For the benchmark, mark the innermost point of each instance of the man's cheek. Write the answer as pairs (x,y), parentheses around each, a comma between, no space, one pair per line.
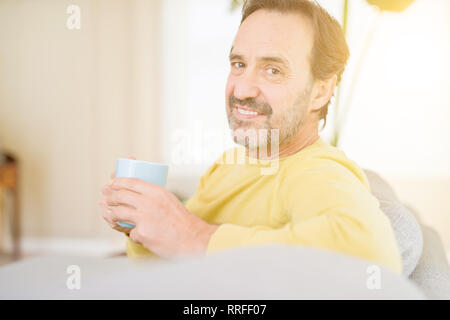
(229,89)
(228,110)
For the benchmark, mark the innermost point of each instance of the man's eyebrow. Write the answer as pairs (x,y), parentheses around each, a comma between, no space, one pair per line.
(234,56)
(275,59)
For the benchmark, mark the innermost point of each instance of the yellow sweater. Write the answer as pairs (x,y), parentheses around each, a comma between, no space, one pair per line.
(317,197)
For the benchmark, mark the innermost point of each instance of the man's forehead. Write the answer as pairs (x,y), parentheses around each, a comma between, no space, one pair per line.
(273,34)
(261,55)
(264,45)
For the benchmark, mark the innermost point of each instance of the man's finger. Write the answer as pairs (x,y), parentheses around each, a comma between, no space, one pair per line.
(136,185)
(134,236)
(107,215)
(125,214)
(123,197)
(106,190)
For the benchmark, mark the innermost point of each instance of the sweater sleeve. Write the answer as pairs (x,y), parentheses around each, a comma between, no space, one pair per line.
(136,251)
(326,209)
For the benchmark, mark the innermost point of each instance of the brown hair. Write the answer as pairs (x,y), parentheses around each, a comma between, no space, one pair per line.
(330,51)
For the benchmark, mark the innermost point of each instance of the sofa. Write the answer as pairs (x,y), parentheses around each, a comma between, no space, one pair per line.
(265,272)
(423,255)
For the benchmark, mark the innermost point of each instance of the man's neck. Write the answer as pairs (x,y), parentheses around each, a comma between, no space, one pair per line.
(306,136)
(295,144)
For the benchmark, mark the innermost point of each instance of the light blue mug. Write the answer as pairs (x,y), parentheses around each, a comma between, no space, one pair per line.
(148,171)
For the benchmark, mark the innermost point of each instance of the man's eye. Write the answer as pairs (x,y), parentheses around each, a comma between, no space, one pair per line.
(237,65)
(273,71)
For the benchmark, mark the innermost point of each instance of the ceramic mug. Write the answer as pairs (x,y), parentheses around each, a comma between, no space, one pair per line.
(155,173)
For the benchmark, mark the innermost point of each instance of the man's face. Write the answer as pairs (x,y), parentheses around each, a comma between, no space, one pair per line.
(270,74)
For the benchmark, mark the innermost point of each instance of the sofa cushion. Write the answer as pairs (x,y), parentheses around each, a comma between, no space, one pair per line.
(261,273)
(432,273)
(406,227)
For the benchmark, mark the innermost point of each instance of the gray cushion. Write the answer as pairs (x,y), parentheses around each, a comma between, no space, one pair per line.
(432,273)
(423,254)
(406,227)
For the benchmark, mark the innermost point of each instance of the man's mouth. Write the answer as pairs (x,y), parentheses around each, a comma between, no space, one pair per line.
(245,113)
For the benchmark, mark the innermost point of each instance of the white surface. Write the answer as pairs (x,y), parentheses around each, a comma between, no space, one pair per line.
(90,247)
(272,272)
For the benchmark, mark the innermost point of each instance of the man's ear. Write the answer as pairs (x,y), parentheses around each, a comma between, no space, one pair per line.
(322,92)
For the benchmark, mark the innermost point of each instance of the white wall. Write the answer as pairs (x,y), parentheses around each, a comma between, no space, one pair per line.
(72,101)
(398,123)
(401,101)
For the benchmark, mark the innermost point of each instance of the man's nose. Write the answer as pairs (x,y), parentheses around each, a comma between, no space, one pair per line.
(246,86)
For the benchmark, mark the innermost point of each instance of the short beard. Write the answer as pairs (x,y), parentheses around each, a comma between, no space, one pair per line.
(289,125)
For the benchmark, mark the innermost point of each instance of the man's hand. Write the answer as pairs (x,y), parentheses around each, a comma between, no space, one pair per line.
(163,225)
(104,207)
(110,219)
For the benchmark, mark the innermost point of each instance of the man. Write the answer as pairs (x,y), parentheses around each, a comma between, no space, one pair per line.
(286,60)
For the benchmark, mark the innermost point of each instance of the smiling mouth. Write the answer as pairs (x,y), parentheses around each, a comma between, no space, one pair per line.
(246,112)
